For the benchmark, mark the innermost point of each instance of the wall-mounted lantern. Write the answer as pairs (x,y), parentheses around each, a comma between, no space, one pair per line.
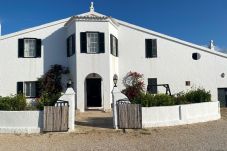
(69,83)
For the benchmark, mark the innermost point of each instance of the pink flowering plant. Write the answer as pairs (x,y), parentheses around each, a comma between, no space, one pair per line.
(134,85)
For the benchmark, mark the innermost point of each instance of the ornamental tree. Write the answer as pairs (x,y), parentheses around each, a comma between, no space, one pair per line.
(134,85)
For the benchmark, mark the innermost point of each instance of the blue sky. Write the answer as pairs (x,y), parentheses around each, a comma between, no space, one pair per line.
(196,21)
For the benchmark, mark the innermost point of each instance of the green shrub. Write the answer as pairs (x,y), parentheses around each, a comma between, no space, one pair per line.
(50,86)
(180,99)
(13,103)
(46,100)
(198,95)
(192,96)
(5,103)
(163,100)
(146,100)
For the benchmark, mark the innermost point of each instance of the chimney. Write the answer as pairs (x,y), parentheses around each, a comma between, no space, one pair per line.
(211,45)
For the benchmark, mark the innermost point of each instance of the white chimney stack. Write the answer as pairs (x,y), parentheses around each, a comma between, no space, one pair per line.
(211,45)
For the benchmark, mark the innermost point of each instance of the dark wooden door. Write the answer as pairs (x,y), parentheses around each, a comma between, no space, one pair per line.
(94,98)
(222,96)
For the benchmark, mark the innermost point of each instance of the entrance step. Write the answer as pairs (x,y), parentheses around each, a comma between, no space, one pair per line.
(94,119)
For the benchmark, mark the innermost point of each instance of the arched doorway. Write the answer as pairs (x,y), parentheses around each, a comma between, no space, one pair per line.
(93,90)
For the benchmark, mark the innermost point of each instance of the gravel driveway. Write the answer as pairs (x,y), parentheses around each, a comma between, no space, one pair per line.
(211,136)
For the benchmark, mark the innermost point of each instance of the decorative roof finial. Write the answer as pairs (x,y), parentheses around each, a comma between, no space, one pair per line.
(211,45)
(92,9)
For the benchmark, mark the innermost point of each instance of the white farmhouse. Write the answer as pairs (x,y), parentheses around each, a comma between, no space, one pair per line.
(95,47)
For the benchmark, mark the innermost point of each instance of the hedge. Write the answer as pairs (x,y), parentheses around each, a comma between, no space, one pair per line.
(192,96)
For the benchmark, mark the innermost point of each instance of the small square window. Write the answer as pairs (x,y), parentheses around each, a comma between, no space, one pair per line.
(187,83)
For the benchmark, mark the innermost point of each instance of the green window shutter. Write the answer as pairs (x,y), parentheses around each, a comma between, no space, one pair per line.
(101,43)
(154,48)
(38,47)
(19,87)
(111,44)
(73,44)
(37,89)
(20,48)
(148,47)
(83,42)
(151,48)
(67,43)
(152,85)
(117,47)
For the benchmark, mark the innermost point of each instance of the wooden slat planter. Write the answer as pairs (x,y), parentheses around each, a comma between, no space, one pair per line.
(129,116)
(55,118)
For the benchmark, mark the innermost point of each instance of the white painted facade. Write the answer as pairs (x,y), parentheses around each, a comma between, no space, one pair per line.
(174,64)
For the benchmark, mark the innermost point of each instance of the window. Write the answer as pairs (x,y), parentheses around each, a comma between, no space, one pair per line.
(114,45)
(187,83)
(151,48)
(29,48)
(30,89)
(92,42)
(196,56)
(71,45)
(152,86)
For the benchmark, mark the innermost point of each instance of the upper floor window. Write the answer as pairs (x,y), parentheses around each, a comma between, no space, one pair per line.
(151,48)
(92,42)
(71,45)
(114,45)
(29,48)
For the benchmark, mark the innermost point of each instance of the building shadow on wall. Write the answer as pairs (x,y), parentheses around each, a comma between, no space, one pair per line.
(54,49)
(55,52)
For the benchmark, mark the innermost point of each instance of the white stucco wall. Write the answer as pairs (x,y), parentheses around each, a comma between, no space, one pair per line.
(180,114)
(71,29)
(100,64)
(174,64)
(14,69)
(21,121)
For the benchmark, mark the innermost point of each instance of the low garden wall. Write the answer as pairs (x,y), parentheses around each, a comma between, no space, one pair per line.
(32,121)
(21,121)
(180,114)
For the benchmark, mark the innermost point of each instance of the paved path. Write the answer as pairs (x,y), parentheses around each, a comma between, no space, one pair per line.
(211,136)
